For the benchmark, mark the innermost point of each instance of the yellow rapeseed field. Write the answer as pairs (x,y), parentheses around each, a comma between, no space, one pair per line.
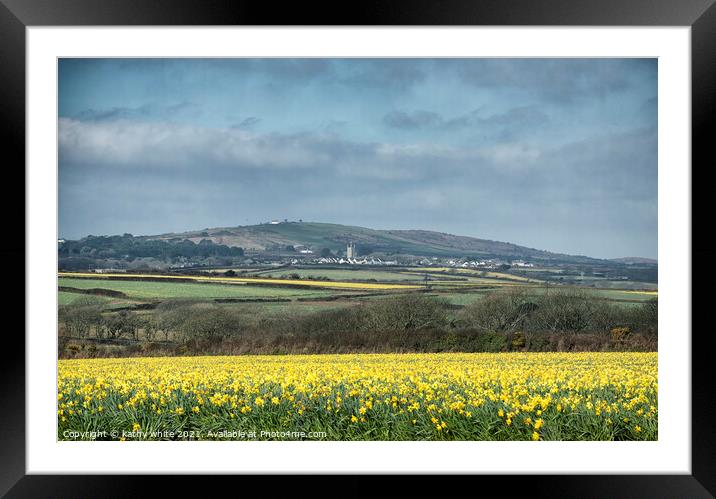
(483,396)
(251,280)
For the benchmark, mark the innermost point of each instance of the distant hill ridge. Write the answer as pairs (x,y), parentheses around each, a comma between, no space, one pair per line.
(317,236)
(635,260)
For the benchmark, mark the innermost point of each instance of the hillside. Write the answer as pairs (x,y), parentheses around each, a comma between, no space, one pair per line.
(267,237)
(635,260)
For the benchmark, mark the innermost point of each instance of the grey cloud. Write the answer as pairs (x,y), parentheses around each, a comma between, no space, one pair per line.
(607,165)
(619,165)
(606,171)
(509,123)
(333,127)
(649,109)
(247,123)
(144,112)
(512,120)
(300,69)
(558,80)
(287,68)
(384,74)
(132,145)
(413,120)
(518,116)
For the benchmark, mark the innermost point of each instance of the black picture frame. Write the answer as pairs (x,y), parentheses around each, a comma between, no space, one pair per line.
(700,15)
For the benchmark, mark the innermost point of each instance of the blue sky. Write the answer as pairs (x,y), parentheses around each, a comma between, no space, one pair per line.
(556,154)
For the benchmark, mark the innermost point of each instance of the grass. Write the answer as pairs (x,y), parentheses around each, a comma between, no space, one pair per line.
(476,282)
(628,285)
(66,298)
(144,290)
(107,302)
(619,294)
(241,288)
(250,280)
(477,273)
(294,308)
(612,295)
(609,294)
(462,298)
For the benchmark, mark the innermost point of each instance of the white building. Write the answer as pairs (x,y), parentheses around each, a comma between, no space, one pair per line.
(521,263)
(351,251)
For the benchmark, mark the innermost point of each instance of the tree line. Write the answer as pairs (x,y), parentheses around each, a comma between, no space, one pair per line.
(128,247)
(501,321)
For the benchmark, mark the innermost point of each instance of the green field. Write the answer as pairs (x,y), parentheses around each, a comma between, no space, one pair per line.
(153,290)
(462,298)
(106,302)
(631,285)
(619,294)
(609,294)
(294,308)
(450,297)
(66,298)
(143,290)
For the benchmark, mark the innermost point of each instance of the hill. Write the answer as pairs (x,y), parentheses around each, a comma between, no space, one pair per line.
(313,235)
(635,260)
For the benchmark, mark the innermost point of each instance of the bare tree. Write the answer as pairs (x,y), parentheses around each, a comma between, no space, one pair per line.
(501,311)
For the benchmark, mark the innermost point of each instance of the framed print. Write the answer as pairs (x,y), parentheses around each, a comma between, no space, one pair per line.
(425,242)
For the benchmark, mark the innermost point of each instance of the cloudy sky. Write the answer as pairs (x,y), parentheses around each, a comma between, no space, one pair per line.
(555,154)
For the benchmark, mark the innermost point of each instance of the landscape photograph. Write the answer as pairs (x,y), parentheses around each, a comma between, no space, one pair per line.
(340,249)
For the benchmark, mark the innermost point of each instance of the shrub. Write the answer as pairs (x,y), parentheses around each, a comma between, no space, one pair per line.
(411,312)
(556,311)
(646,317)
(619,334)
(504,311)
(518,340)
(72,349)
(210,323)
(511,319)
(338,320)
(565,310)
(491,342)
(537,343)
